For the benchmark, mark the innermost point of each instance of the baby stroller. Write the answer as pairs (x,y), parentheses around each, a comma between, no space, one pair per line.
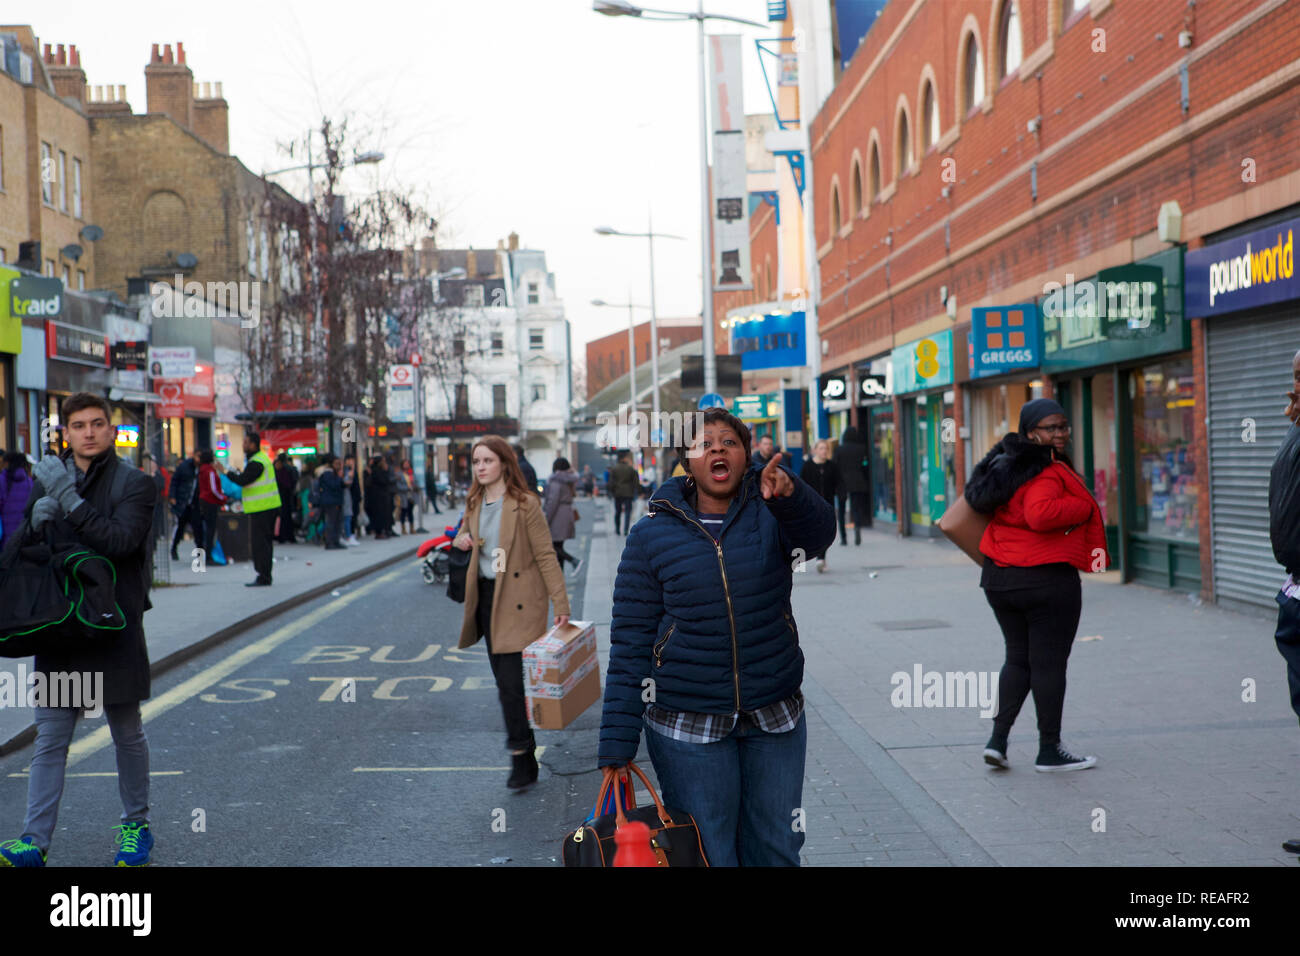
(434,552)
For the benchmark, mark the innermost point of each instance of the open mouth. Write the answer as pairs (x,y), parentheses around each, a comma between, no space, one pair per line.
(719,470)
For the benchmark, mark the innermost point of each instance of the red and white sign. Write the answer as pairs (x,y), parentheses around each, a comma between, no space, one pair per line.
(195,394)
(401,375)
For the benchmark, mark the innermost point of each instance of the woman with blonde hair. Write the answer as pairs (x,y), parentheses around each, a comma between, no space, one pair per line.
(512,575)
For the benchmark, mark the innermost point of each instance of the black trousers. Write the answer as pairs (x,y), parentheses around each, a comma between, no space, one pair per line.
(261,529)
(286,535)
(189,518)
(1288,643)
(508,670)
(333,525)
(622,506)
(561,555)
(1039,624)
(209,512)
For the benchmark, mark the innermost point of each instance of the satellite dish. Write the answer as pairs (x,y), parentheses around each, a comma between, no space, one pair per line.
(187,260)
(71,251)
(91,233)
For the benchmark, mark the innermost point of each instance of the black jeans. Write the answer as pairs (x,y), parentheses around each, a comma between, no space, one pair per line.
(1288,643)
(840,501)
(1039,624)
(622,506)
(286,535)
(261,531)
(508,669)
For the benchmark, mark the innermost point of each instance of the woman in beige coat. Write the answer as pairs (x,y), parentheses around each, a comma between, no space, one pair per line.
(512,575)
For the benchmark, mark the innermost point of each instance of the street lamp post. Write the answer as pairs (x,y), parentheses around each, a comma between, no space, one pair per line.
(649,235)
(622,8)
(631,343)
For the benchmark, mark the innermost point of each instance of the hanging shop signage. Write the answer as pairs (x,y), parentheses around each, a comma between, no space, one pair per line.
(11,325)
(1243,273)
(875,381)
(35,296)
(129,356)
(774,340)
(179,397)
(128,436)
(1130,312)
(1004,338)
(925,363)
(71,343)
(833,389)
(172,363)
(731,264)
(757,408)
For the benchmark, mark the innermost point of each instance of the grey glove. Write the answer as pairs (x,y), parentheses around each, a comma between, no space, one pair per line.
(45,509)
(59,481)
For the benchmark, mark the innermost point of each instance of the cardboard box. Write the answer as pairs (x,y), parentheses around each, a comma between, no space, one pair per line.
(561,675)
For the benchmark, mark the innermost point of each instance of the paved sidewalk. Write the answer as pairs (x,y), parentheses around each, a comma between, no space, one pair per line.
(1188,773)
(204,608)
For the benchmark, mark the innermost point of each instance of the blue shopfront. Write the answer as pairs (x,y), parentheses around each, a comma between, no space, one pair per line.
(923,382)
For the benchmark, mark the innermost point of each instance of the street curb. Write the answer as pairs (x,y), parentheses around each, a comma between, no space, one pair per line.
(176,658)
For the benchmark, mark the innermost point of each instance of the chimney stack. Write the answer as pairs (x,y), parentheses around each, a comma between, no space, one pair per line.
(514,242)
(169,85)
(63,64)
(212,117)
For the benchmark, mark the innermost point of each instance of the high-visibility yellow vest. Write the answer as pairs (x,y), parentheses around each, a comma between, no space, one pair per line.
(263,494)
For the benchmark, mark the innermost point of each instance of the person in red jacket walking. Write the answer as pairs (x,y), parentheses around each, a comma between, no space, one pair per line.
(1046,527)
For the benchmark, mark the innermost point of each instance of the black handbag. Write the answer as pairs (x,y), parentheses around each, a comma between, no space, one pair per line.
(674,837)
(457,569)
(59,596)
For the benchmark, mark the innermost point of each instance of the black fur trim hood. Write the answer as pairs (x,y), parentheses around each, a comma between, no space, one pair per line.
(1013,461)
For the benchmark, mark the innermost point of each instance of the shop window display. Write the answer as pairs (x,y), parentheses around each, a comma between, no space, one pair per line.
(1164,411)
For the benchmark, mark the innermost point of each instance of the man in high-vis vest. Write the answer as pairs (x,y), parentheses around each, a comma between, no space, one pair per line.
(261,499)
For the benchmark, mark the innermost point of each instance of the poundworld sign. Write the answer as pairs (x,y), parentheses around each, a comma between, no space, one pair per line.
(35,296)
(1252,270)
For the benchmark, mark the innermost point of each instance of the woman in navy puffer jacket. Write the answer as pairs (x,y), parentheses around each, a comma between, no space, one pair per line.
(702,610)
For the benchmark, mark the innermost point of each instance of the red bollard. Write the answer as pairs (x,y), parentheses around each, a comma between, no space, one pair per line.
(633,841)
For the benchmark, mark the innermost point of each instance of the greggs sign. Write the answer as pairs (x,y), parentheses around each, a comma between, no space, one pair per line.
(1242,273)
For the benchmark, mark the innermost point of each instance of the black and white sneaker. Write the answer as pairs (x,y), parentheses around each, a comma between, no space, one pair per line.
(577,568)
(996,758)
(1058,759)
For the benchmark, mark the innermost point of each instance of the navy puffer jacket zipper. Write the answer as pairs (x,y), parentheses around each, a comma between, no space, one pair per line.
(710,623)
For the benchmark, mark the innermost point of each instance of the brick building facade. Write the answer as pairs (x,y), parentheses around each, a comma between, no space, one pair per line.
(607,355)
(977,151)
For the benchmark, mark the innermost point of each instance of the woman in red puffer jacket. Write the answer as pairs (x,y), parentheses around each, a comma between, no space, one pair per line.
(1046,527)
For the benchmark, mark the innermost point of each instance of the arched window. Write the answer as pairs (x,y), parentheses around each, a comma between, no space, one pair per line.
(904,154)
(855,189)
(929,118)
(1010,51)
(836,221)
(973,85)
(874,173)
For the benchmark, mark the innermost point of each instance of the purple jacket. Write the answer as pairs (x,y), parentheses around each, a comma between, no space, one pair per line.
(14,492)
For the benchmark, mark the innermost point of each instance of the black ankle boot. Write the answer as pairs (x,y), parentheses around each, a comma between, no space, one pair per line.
(857,535)
(523,770)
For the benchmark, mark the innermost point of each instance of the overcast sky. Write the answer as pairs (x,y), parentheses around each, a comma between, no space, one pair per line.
(537,116)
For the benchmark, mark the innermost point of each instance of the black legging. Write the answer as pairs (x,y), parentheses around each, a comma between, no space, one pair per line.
(508,669)
(1039,624)
(209,510)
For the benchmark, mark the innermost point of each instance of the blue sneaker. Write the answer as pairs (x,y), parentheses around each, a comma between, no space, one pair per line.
(21,853)
(135,840)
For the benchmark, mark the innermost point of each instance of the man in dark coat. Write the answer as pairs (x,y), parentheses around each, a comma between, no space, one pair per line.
(851,461)
(286,479)
(1284,534)
(76,493)
(330,484)
(185,501)
(624,486)
(526,466)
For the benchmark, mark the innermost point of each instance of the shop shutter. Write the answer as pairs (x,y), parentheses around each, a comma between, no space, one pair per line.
(1249,362)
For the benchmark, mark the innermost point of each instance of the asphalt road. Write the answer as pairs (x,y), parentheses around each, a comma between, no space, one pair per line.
(262,754)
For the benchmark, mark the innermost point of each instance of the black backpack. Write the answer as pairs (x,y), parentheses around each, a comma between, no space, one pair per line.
(59,595)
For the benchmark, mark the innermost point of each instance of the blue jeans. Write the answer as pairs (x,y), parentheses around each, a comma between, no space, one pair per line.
(744,791)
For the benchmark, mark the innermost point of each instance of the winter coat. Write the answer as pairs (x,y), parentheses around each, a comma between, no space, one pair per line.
(15,489)
(758,461)
(531,578)
(1042,511)
(623,481)
(558,504)
(710,622)
(185,480)
(823,478)
(851,461)
(530,473)
(120,533)
(210,486)
(1283,503)
(330,487)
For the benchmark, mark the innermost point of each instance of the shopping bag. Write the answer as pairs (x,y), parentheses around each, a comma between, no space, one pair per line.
(964,527)
(218,556)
